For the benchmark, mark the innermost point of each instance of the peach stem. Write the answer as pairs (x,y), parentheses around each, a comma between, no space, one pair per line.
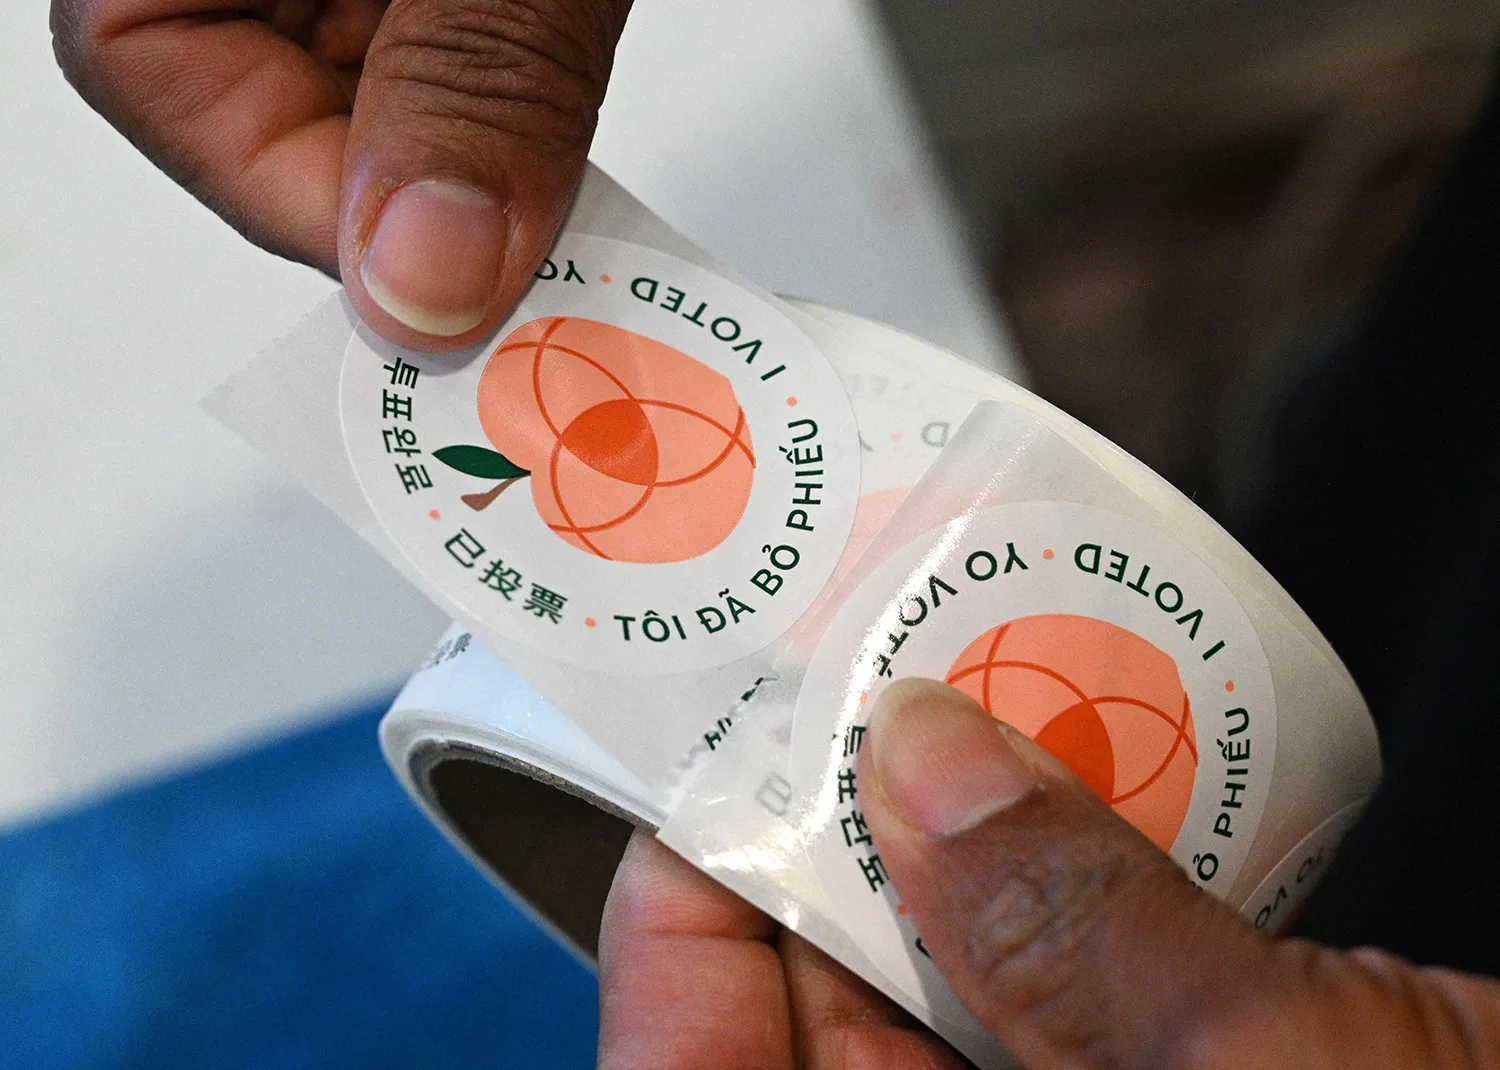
(479,502)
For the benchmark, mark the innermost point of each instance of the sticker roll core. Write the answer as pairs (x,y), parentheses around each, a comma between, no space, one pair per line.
(532,801)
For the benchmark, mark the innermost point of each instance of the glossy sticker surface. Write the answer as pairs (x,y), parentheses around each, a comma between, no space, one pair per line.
(1104,640)
(648,469)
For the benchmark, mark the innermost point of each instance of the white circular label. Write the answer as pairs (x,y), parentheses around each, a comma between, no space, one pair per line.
(646,469)
(1106,641)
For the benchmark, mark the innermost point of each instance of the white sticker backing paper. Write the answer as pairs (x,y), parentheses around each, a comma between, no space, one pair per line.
(690,531)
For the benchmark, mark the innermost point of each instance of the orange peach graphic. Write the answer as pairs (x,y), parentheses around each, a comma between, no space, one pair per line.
(636,451)
(1107,702)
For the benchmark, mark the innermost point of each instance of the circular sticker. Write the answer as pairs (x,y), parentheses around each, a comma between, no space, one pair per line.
(1107,642)
(647,469)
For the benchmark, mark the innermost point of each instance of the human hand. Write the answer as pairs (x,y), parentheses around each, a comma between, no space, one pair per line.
(691,975)
(424,150)
(1066,933)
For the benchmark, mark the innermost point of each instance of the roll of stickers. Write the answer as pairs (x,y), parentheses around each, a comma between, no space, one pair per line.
(689,531)
(1023,571)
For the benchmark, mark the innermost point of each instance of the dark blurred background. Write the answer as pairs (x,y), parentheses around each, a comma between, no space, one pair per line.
(1184,207)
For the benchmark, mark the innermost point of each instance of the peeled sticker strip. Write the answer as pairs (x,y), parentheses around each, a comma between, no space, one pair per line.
(1173,684)
(288,403)
(691,530)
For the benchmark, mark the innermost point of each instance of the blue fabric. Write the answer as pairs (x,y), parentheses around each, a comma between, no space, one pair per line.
(286,908)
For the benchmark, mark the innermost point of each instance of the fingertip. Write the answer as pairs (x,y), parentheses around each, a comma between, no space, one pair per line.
(941,763)
(462,158)
(656,892)
(425,269)
(685,969)
(1015,872)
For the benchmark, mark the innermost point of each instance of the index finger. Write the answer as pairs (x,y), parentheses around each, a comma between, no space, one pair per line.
(686,971)
(226,103)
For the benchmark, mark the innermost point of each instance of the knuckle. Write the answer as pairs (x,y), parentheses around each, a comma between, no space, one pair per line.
(1039,913)
(519,67)
(1048,909)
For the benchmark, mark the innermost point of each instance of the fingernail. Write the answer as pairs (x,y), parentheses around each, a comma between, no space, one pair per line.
(942,762)
(434,254)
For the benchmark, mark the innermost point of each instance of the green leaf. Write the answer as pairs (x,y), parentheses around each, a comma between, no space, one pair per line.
(479,462)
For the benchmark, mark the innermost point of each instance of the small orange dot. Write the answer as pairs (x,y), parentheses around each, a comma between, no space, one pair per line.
(863,695)
(792,401)
(1228,685)
(435,514)
(1048,555)
(605,278)
(901,909)
(590,622)
(895,436)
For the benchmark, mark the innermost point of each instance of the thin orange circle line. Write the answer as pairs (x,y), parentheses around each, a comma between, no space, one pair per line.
(536,374)
(606,525)
(573,527)
(984,684)
(559,347)
(1184,724)
(540,348)
(1126,700)
(731,434)
(557,496)
(970,670)
(543,342)
(1179,726)
(1162,768)
(1182,728)
(713,464)
(547,334)
(543,345)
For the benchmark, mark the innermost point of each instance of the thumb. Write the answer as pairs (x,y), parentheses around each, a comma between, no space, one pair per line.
(470,131)
(1062,929)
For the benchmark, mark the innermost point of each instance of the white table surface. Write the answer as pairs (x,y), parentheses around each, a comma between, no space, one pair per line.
(165,595)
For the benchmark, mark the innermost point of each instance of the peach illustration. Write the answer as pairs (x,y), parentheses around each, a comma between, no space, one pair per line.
(1107,702)
(636,451)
